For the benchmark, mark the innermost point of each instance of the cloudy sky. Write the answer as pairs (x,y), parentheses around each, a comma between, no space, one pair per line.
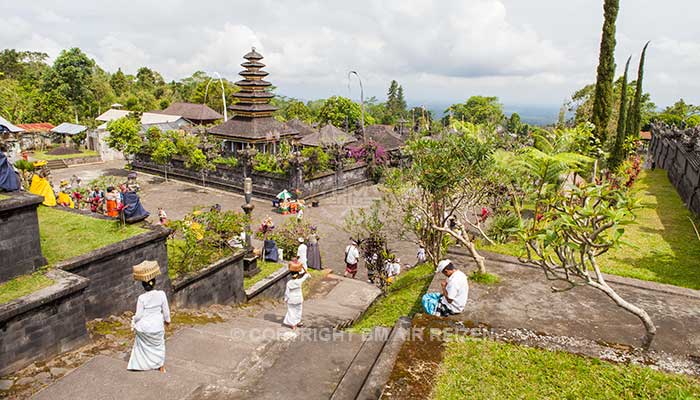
(527,52)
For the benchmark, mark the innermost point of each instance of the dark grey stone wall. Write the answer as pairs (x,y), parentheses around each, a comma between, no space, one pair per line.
(20,245)
(683,168)
(112,289)
(272,287)
(220,283)
(264,185)
(43,324)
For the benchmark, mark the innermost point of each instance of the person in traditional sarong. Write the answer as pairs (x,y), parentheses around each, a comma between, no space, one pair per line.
(393,269)
(111,198)
(41,187)
(63,198)
(313,252)
(352,258)
(271,252)
(133,210)
(9,181)
(152,314)
(294,298)
(301,252)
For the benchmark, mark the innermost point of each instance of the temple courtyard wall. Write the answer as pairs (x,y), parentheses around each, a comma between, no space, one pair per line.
(20,247)
(683,168)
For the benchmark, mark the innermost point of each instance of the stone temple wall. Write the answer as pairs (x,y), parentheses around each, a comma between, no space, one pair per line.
(20,247)
(678,152)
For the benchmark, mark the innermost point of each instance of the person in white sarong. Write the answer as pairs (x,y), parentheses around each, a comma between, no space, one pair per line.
(152,314)
(294,298)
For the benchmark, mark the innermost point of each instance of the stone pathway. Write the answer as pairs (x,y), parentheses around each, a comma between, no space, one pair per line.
(244,357)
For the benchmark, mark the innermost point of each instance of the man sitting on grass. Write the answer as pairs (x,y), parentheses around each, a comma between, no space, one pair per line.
(455,290)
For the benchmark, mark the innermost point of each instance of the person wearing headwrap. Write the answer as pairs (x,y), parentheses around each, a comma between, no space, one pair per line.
(294,298)
(454,294)
(152,314)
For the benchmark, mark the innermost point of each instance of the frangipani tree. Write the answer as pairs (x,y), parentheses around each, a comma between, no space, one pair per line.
(575,227)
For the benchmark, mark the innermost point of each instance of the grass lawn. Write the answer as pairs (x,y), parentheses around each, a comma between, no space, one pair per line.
(484,369)
(662,245)
(266,268)
(177,267)
(3,197)
(41,155)
(23,285)
(65,235)
(402,299)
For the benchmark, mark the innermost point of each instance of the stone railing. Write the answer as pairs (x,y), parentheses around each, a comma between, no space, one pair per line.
(678,152)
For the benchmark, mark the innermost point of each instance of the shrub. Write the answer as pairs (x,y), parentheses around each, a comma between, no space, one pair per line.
(287,235)
(318,160)
(201,238)
(504,227)
(264,162)
(230,162)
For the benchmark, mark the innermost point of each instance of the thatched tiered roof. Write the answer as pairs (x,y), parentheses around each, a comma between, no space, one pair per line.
(329,135)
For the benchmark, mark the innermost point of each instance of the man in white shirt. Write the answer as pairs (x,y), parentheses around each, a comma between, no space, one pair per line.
(455,290)
(352,256)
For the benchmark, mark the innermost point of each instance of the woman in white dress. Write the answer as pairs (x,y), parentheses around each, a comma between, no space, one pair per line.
(294,298)
(152,314)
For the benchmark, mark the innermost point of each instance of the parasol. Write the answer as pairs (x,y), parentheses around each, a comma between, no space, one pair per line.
(284,195)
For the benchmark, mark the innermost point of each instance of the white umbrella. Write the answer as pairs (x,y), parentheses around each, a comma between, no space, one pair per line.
(284,195)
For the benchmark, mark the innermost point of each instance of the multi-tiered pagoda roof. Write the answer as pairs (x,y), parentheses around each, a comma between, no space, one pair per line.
(252,121)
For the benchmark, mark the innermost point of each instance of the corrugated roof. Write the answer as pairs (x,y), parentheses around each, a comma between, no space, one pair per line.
(191,111)
(645,135)
(328,135)
(69,129)
(37,127)
(146,118)
(9,126)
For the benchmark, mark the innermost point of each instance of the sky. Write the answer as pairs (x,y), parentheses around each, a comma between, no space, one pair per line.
(527,52)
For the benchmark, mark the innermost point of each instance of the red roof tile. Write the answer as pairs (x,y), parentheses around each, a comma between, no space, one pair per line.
(37,127)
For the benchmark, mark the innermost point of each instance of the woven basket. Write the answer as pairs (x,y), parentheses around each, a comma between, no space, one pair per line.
(146,271)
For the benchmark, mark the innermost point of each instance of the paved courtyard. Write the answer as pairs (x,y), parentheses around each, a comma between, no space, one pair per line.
(179,198)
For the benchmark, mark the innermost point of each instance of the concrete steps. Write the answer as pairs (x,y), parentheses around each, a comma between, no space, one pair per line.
(56,164)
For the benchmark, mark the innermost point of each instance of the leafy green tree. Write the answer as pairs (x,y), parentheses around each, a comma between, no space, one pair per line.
(603,99)
(340,112)
(296,109)
(317,160)
(71,75)
(516,126)
(678,114)
(477,110)
(448,181)
(119,82)
(124,135)
(635,115)
(163,149)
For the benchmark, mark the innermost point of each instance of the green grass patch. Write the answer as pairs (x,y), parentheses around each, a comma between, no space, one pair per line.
(484,369)
(42,155)
(3,197)
(485,278)
(266,268)
(23,285)
(65,234)
(403,298)
(660,246)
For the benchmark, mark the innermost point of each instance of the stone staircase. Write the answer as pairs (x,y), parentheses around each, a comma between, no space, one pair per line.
(56,164)
(251,357)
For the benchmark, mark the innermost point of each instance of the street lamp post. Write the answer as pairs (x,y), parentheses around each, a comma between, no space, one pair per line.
(250,264)
(362,102)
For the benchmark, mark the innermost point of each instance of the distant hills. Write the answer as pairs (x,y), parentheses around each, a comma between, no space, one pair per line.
(530,114)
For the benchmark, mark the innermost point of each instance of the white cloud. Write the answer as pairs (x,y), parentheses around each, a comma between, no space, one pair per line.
(537,51)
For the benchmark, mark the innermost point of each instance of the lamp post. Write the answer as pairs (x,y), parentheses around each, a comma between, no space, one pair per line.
(248,209)
(362,102)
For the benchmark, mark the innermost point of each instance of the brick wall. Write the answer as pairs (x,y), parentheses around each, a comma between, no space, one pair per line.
(44,323)
(20,246)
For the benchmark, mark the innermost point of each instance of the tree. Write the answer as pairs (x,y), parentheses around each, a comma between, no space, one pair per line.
(635,116)
(124,135)
(71,75)
(119,82)
(575,228)
(679,114)
(296,109)
(603,99)
(448,183)
(477,110)
(340,112)
(515,125)
(618,152)
(163,149)
(368,228)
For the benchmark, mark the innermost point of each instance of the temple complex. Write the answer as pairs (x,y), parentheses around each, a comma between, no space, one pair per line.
(252,123)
